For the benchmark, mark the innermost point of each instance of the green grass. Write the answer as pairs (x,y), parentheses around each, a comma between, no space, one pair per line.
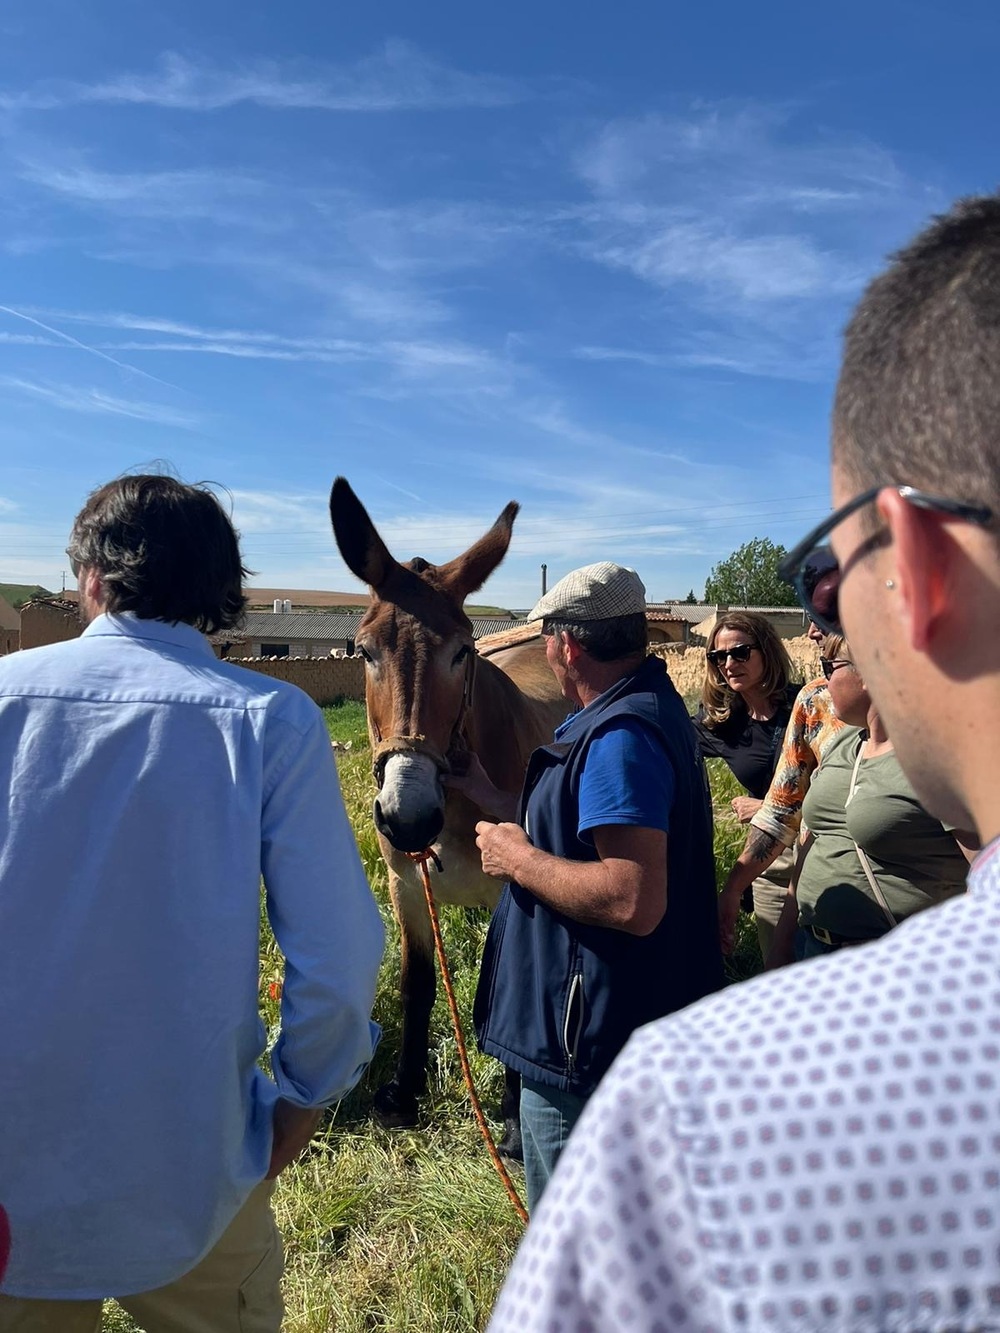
(346,722)
(410,1231)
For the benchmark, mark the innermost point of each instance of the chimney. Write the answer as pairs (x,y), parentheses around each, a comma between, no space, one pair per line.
(277,606)
(545,570)
(286,605)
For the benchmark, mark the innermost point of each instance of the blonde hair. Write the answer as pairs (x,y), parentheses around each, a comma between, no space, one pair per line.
(837,649)
(717,699)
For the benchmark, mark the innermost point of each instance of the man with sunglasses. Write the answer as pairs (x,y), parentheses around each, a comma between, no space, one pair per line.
(817,1149)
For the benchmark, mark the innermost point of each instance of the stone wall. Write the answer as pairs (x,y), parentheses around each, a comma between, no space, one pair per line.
(48,622)
(323,678)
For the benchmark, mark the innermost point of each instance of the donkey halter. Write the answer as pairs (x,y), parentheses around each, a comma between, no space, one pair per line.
(390,745)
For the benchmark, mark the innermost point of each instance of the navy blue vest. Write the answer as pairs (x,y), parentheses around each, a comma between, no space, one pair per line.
(557,1000)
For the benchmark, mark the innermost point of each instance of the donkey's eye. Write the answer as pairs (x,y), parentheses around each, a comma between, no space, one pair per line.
(461,655)
(363,652)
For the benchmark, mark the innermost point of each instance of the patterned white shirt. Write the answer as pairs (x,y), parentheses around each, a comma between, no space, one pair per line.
(817,1149)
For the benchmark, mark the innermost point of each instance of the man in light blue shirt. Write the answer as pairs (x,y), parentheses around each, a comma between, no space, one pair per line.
(145,789)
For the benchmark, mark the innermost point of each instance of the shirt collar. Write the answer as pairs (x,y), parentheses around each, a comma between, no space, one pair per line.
(127,625)
(985,869)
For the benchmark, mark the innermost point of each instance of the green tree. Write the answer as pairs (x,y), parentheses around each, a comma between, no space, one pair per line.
(690,599)
(749,577)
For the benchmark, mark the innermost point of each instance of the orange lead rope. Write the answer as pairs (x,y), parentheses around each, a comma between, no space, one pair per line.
(421,858)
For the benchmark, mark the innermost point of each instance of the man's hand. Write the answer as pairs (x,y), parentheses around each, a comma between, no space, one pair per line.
(294,1126)
(745,807)
(502,846)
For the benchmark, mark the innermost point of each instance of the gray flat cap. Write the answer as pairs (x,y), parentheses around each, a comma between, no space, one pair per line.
(595,592)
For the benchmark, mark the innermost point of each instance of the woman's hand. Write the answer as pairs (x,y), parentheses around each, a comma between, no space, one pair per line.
(745,807)
(729,910)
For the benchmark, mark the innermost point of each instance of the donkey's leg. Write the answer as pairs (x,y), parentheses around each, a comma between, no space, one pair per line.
(510,1109)
(396,1101)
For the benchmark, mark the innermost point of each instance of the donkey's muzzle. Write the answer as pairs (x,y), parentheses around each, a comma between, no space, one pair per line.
(414,834)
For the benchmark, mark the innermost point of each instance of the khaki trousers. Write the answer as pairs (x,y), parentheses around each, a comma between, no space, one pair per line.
(236,1288)
(769,893)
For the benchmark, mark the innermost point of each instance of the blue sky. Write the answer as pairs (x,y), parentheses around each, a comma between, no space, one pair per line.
(592,258)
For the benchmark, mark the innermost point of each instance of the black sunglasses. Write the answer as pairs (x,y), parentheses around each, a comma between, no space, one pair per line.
(828,665)
(741,653)
(814,571)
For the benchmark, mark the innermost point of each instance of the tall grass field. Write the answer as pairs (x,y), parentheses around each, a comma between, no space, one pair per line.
(398,1230)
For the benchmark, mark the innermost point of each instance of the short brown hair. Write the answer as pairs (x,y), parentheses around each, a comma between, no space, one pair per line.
(717,699)
(918,398)
(163,550)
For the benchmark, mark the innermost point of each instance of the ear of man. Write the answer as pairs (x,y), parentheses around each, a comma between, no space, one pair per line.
(572,650)
(923,561)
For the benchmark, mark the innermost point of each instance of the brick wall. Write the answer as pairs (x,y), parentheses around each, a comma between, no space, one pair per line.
(323,678)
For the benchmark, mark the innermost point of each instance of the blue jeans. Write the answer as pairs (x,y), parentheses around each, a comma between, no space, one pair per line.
(547,1118)
(808,946)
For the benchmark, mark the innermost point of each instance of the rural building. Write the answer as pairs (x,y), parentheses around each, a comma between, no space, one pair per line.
(49,620)
(789,621)
(319,633)
(10,628)
(665,626)
(298,633)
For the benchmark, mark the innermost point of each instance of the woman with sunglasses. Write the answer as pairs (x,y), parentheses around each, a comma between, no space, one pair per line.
(746,701)
(870,855)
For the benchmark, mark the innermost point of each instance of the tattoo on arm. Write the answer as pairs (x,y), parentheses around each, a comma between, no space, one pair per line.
(760,846)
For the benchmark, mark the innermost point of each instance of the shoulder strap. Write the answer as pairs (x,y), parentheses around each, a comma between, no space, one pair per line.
(865,863)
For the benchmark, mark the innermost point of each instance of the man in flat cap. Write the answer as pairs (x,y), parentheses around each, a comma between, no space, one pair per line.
(608,916)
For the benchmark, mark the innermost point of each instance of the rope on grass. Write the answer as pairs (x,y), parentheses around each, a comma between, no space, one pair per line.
(422,859)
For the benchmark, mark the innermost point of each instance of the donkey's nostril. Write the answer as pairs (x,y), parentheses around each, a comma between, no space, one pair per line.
(409,835)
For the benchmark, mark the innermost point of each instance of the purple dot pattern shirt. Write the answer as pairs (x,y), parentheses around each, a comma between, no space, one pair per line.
(817,1149)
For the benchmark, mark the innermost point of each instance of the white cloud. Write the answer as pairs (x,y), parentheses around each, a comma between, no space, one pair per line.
(399,77)
(222,197)
(95,401)
(731,202)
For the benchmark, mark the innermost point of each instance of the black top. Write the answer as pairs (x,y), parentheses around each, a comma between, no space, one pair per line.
(750,748)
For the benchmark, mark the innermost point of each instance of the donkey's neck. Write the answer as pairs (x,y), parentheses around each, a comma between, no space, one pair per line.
(505,725)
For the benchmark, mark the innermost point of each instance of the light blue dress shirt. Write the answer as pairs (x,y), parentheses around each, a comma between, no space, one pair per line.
(145,788)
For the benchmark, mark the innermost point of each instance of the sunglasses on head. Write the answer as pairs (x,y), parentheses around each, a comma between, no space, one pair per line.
(814,571)
(741,653)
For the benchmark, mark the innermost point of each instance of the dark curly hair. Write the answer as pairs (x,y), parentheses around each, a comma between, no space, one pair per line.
(163,550)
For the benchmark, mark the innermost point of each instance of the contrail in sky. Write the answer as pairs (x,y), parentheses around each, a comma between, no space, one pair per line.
(75,342)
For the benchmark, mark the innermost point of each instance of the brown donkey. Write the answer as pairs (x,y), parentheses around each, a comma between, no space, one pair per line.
(431,699)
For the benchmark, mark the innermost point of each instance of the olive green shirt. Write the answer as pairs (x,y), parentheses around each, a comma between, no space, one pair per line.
(914,859)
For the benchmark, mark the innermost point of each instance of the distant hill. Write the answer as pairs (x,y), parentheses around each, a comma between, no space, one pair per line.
(16,594)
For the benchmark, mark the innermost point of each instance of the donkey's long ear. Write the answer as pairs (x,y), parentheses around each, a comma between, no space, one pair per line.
(364,551)
(470,571)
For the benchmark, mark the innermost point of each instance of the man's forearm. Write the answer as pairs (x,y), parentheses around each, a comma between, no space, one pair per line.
(582,890)
(623,888)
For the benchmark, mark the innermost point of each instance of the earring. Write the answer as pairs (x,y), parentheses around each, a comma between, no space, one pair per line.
(889,583)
